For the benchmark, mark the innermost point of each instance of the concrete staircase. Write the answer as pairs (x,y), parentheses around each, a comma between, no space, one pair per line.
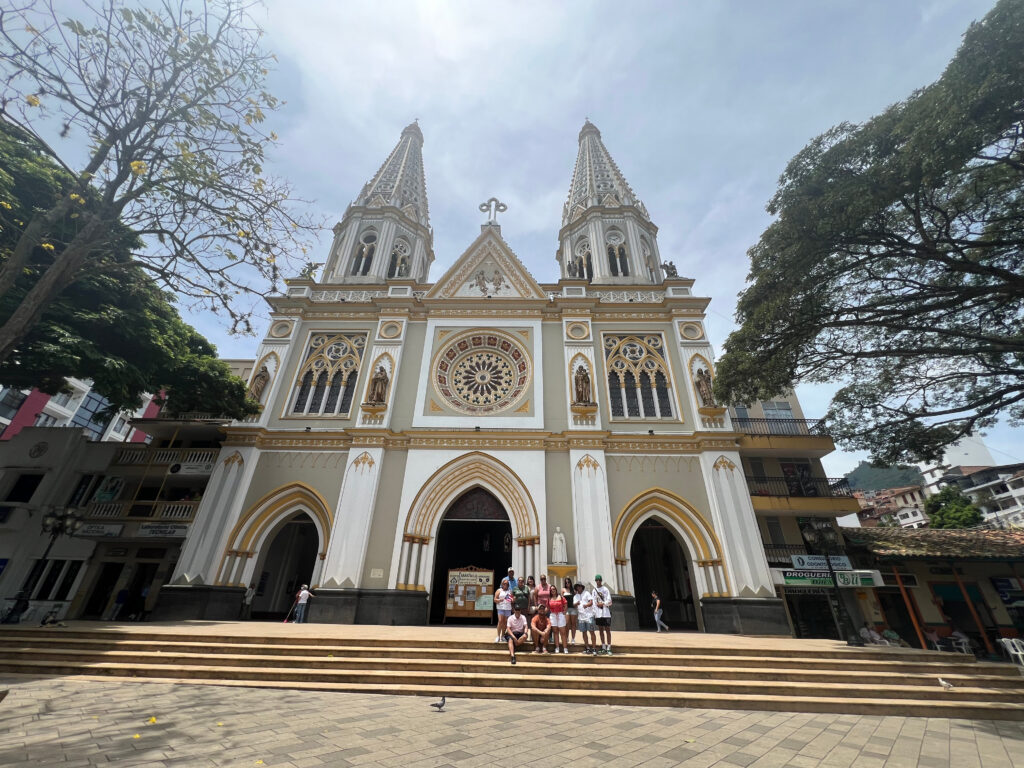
(858,681)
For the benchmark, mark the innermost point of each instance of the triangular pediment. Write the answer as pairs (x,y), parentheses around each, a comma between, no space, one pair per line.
(487,268)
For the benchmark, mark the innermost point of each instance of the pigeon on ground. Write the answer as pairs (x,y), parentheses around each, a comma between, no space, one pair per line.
(439,705)
(946,684)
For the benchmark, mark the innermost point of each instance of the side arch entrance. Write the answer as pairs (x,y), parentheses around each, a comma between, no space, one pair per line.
(662,542)
(278,544)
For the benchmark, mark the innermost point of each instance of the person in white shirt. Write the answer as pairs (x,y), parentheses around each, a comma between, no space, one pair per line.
(301,603)
(603,615)
(584,602)
(515,631)
(250,593)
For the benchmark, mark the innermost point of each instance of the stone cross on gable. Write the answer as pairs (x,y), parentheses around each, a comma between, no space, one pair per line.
(492,208)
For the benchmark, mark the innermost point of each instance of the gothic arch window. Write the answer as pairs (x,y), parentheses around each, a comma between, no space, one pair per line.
(618,263)
(399,265)
(582,263)
(363,258)
(638,377)
(326,382)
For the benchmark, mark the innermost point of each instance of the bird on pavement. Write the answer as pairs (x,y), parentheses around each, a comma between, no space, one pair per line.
(946,684)
(439,705)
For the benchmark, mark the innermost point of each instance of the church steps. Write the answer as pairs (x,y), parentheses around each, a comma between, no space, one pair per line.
(506,677)
(934,706)
(905,662)
(562,666)
(162,638)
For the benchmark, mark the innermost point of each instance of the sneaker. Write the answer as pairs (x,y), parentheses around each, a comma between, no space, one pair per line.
(513,659)
(497,639)
(565,650)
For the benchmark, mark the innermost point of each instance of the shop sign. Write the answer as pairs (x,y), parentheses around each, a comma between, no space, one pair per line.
(818,562)
(192,468)
(824,578)
(100,530)
(162,530)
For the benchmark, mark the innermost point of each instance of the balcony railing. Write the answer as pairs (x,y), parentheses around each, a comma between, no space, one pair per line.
(781,426)
(151,510)
(798,486)
(779,555)
(143,455)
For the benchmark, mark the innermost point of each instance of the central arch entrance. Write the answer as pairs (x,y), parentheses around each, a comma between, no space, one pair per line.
(287,560)
(475,531)
(660,563)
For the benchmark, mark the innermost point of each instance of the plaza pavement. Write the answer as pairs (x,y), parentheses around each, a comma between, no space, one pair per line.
(73,721)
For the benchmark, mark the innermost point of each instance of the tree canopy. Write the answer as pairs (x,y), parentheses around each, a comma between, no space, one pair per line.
(894,264)
(950,508)
(157,116)
(114,327)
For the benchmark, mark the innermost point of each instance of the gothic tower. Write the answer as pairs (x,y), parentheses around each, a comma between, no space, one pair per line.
(385,233)
(607,238)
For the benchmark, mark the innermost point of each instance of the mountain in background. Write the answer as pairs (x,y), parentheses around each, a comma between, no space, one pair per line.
(868,478)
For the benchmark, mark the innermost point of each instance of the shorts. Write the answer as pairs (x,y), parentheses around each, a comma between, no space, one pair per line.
(585,625)
(603,621)
(572,612)
(557,619)
(504,611)
(513,635)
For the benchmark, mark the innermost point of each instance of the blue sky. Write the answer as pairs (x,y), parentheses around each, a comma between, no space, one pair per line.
(700,103)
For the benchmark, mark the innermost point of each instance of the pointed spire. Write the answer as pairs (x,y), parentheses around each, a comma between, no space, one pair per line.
(400,182)
(596,179)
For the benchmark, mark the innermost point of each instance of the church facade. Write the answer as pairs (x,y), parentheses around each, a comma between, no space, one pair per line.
(411,427)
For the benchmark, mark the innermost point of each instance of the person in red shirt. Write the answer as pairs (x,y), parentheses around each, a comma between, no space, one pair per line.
(557,606)
(541,627)
(543,593)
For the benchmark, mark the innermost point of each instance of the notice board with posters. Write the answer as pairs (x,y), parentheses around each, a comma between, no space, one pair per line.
(470,593)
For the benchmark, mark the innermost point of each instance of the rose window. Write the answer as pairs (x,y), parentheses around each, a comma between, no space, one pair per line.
(482,373)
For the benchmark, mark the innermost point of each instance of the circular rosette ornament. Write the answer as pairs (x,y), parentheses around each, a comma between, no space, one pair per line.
(482,372)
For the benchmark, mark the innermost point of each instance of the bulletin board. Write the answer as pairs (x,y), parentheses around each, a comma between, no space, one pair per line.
(470,593)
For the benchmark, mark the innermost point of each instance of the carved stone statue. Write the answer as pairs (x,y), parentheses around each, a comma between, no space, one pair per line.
(670,269)
(581,387)
(308,272)
(575,266)
(259,383)
(559,554)
(379,387)
(703,381)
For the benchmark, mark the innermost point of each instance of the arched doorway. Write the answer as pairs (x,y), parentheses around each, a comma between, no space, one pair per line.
(660,562)
(286,561)
(475,531)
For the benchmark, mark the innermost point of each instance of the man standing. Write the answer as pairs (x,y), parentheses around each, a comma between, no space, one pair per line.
(521,596)
(603,615)
(301,602)
(250,593)
(584,602)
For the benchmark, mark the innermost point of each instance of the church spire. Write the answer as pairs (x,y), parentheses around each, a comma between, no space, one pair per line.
(385,233)
(607,236)
(400,181)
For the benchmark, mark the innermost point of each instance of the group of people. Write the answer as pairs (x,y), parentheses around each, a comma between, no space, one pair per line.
(547,615)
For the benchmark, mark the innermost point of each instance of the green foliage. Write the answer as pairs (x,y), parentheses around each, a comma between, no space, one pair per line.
(895,263)
(112,325)
(950,508)
(167,104)
(866,477)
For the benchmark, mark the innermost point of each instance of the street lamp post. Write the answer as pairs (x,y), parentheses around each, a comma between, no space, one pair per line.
(56,523)
(826,540)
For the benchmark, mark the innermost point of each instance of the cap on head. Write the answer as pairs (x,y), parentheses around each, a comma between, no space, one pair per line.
(305,586)
(598,578)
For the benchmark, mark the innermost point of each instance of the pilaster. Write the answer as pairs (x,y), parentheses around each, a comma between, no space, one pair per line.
(592,521)
(346,553)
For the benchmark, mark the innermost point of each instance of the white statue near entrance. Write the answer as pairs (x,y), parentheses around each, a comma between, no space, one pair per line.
(559,555)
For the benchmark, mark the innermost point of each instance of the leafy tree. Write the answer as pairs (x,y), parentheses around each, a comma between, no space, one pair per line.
(112,325)
(169,100)
(865,477)
(949,508)
(894,263)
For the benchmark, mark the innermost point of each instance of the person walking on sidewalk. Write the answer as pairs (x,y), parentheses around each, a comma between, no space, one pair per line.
(656,607)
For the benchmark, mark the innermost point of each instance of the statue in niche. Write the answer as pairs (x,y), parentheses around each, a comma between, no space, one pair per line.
(575,267)
(670,269)
(703,381)
(559,554)
(379,387)
(259,383)
(581,386)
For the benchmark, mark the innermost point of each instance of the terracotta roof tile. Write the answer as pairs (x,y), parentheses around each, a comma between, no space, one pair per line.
(925,543)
